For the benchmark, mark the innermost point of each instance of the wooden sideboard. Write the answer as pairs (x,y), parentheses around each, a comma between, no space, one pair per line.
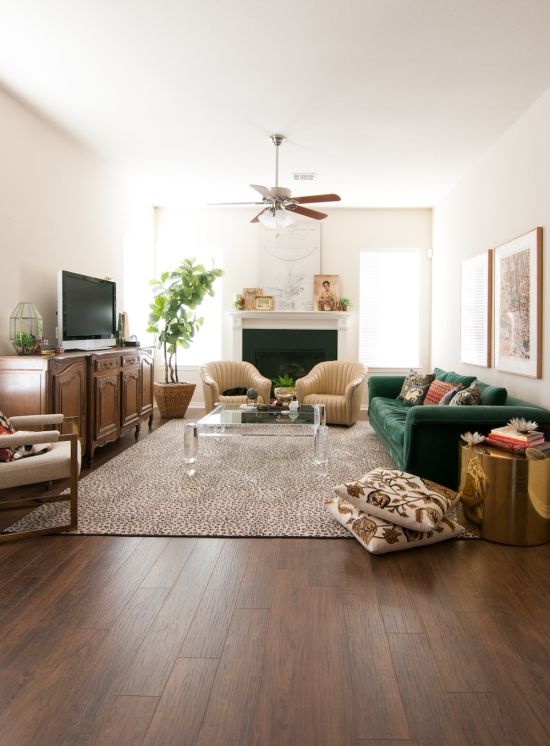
(108,391)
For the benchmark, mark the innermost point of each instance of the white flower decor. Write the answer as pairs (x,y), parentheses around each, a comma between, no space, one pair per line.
(472,439)
(521,425)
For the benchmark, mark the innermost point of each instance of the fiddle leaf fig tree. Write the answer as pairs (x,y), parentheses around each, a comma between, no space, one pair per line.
(173,315)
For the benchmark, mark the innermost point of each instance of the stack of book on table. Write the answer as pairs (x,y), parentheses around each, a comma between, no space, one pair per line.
(509,439)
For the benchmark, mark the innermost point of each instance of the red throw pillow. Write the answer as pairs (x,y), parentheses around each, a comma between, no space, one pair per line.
(437,391)
(6,429)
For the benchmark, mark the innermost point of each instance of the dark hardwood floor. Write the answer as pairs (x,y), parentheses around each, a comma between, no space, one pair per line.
(110,640)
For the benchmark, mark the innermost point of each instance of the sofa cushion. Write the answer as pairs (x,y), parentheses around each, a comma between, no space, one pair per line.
(415,395)
(414,379)
(446,398)
(453,377)
(440,374)
(437,390)
(399,498)
(379,536)
(466,397)
(390,416)
(492,395)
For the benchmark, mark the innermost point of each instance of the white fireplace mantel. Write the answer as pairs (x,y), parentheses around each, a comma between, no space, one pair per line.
(335,320)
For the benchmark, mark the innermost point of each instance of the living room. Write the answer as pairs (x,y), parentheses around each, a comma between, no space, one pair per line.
(443,149)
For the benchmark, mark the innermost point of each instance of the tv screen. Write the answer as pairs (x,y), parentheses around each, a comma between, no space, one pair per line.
(86,308)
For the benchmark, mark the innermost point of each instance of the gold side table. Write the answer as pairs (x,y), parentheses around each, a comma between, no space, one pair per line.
(506,495)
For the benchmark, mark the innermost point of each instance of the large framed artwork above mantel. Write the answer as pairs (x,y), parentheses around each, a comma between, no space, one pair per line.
(518,305)
(288,259)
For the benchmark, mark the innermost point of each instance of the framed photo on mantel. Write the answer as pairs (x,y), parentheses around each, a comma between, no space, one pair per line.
(518,305)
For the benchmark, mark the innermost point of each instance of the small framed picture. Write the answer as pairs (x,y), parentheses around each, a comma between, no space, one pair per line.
(263,303)
(250,295)
(325,290)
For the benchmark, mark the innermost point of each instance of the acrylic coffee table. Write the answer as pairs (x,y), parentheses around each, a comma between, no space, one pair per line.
(231,420)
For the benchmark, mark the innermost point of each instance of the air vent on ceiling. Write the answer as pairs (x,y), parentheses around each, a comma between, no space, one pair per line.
(304,177)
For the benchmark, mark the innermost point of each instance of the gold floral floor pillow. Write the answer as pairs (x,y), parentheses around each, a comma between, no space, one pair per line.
(398,497)
(379,536)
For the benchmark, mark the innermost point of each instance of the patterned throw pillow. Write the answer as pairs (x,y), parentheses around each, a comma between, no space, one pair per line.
(379,536)
(446,398)
(6,428)
(415,395)
(466,397)
(12,454)
(414,379)
(400,498)
(437,390)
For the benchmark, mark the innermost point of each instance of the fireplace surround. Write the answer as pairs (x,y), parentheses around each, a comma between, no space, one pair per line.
(290,342)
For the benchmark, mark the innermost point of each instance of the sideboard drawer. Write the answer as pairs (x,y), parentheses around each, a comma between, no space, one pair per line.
(130,360)
(107,363)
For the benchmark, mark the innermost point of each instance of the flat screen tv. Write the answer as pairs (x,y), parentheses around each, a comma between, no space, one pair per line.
(86,311)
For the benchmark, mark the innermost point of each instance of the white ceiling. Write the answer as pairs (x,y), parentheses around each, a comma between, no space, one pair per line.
(388,101)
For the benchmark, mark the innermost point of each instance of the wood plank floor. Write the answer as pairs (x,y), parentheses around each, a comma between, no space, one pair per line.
(112,640)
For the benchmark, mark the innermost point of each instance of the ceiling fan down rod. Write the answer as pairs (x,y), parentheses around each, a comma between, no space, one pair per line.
(277,140)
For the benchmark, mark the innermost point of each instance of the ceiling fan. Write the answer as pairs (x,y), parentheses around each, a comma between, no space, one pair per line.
(277,201)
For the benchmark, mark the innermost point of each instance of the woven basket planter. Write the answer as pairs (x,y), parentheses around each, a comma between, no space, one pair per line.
(173,398)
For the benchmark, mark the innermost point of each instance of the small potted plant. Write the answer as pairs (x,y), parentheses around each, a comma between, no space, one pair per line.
(283,388)
(345,303)
(239,304)
(26,344)
(173,319)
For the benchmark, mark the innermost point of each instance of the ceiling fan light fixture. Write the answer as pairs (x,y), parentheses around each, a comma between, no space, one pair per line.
(276,218)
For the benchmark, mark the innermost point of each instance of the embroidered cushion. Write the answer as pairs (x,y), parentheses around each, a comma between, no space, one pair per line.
(437,390)
(6,428)
(414,379)
(466,397)
(399,498)
(446,398)
(415,395)
(379,536)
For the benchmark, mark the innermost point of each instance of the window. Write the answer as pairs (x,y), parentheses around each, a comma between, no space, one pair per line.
(389,308)
(176,229)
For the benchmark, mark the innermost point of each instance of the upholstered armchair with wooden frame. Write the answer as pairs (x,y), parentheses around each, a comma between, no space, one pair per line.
(220,375)
(336,384)
(30,482)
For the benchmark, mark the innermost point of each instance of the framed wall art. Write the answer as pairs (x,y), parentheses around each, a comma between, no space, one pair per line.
(250,295)
(518,305)
(287,260)
(476,302)
(264,303)
(325,291)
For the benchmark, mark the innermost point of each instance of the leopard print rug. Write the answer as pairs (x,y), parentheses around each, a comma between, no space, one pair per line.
(243,486)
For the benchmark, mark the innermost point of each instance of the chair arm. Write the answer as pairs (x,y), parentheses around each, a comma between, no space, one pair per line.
(307,385)
(23,438)
(352,385)
(35,420)
(263,384)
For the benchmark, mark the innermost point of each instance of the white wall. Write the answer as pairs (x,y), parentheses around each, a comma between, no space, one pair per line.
(227,233)
(505,195)
(59,209)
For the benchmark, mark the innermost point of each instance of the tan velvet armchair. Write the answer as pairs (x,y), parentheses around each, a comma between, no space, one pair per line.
(44,476)
(220,375)
(337,385)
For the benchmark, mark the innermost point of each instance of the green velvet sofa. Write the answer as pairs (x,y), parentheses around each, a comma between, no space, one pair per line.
(425,440)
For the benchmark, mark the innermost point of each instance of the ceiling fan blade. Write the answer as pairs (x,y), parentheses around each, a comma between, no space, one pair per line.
(317,198)
(255,219)
(307,212)
(234,203)
(264,191)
